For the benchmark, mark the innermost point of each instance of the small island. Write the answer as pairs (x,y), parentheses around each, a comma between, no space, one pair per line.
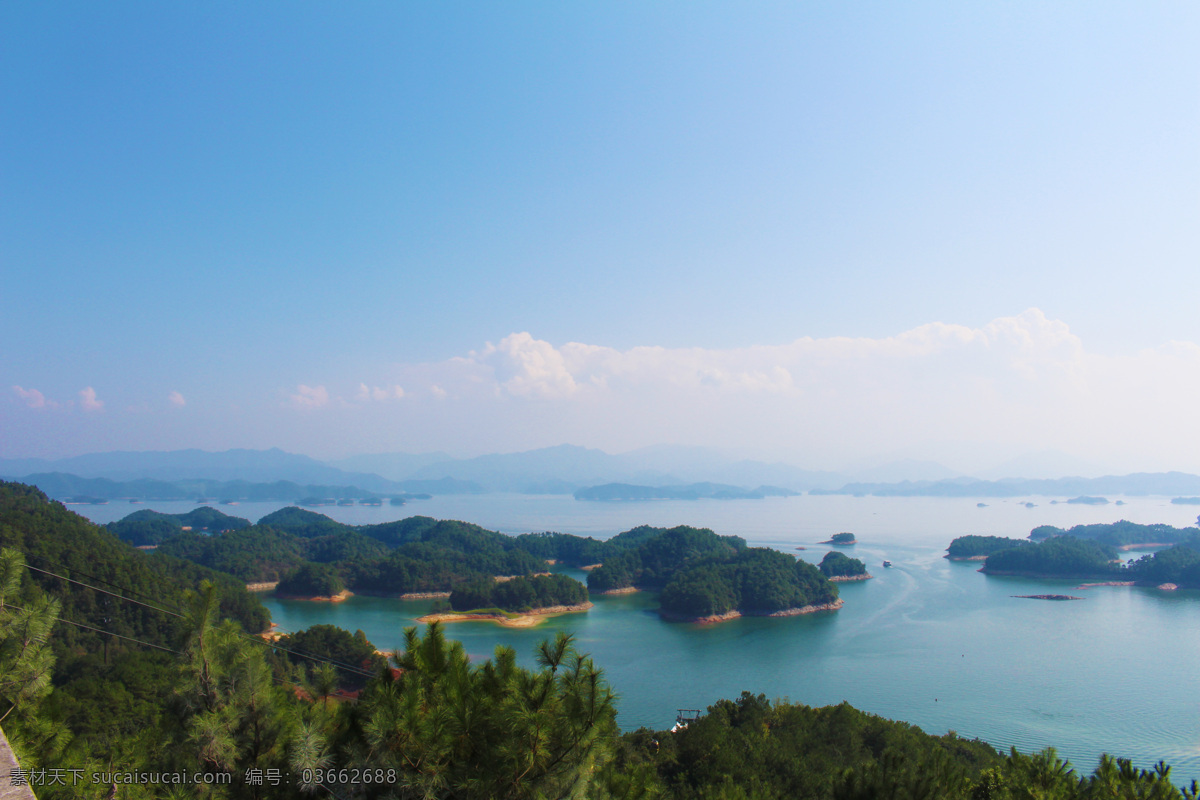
(518,602)
(319,582)
(1089,501)
(838,567)
(703,577)
(1047,597)
(977,548)
(841,539)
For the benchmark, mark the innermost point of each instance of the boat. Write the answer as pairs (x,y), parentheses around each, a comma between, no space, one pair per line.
(887,563)
(685,716)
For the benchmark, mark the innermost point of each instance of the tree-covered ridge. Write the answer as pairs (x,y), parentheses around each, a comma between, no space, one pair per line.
(147,527)
(975,546)
(261,554)
(839,565)
(649,557)
(1119,534)
(56,540)
(1063,556)
(753,748)
(563,548)
(519,594)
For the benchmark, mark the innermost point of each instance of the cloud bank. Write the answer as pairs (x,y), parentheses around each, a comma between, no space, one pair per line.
(1019,383)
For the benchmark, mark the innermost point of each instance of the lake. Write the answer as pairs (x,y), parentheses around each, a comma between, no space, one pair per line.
(929,641)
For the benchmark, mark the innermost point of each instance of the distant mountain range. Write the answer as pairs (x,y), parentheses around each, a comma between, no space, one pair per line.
(566,469)
(694,491)
(1141,483)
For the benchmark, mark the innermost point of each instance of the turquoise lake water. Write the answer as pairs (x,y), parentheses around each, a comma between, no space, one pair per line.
(929,641)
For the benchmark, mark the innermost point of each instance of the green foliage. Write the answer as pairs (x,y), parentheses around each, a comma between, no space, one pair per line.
(842,538)
(351,652)
(26,658)
(755,580)
(1179,565)
(312,580)
(301,522)
(784,750)
(1118,534)
(574,551)
(493,730)
(649,557)
(59,541)
(971,546)
(839,565)
(519,594)
(1061,555)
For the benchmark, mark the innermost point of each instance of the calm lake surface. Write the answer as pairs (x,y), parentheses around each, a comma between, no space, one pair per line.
(929,641)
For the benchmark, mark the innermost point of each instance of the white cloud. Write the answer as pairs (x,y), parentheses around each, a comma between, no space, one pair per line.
(1024,381)
(528,367)
(310,397)
(32,397)
(87,399)
(176,399)
(378,394)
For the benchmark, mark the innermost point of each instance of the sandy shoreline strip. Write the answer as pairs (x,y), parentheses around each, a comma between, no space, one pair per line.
(345,594)
(527,620)
(728,615)
(847,578)
(622,590)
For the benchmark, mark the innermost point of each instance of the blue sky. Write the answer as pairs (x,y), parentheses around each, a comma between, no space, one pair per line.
(232,201)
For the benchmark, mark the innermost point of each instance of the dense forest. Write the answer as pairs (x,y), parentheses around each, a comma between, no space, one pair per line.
(754,580)
(976,546)
(1063,556)
(521,594)
(311,580)
(839,565)
(647,558)
(320,713)
(1120,534)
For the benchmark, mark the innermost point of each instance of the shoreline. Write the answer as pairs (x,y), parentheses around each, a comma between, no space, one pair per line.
(343,595)
(964,558)
(521,620)
(728,615)
(866,576)
(622,590)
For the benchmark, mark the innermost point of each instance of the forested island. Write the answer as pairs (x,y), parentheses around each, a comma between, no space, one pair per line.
(693,491)
(1057,554)
(977,548)
(188,690)
(841,539)
(518,602)
(840,567)
(1124,535)
(703,577)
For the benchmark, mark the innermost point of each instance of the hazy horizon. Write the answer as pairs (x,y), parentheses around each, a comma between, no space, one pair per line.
(824,236)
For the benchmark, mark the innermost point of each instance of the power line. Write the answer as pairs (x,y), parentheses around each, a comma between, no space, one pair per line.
(299,653)
(110,633)
(106,582)
(103,591)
